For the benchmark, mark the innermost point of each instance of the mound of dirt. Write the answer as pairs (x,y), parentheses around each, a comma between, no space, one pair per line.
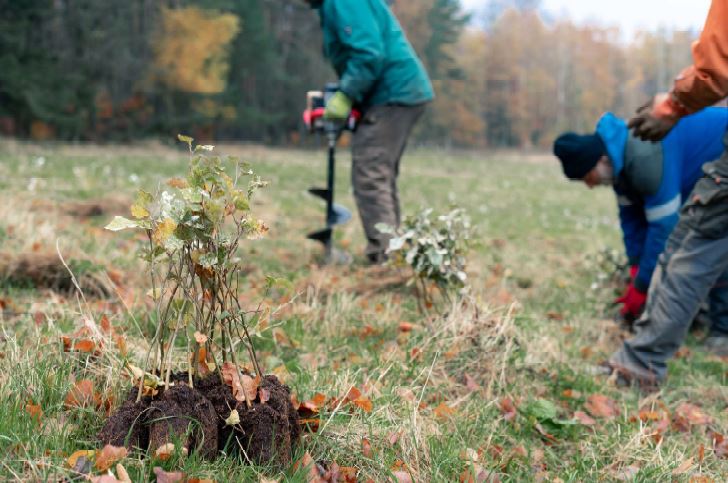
(46,271)
(195,417)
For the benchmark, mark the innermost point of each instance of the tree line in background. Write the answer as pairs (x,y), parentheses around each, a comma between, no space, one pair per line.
(239,69)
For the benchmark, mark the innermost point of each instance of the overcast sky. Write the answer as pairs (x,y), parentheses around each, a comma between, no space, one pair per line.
(628,14)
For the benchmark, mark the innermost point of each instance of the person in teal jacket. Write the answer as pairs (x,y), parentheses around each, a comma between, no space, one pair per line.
(651,183)
(381,76)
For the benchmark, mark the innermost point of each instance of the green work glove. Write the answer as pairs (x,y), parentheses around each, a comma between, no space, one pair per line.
(338,107)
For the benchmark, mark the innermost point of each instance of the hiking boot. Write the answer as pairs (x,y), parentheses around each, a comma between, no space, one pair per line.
(624,377)
(716,345)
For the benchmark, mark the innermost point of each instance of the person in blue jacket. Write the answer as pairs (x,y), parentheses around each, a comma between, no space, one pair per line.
(380,75)
(651,182)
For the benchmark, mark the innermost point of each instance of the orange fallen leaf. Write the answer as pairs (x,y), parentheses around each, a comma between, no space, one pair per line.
(507,408)
(35,411)
(311,424)
(366,448)
(319,399)
(571,394)
(108,456)
(443,411)
(363,403)
(84,345)
(600,406)
(76,457)
(105,325)
(352,394)
(406,326)
(81,394)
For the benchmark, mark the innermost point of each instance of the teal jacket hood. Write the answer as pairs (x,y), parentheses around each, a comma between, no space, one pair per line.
(613,133)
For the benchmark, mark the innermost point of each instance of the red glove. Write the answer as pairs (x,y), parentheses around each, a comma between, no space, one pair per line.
(633,269)
(633,300)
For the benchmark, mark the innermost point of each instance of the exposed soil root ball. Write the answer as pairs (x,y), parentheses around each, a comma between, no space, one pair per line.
(128,425)
(46,271)
(196,419)
(183,416)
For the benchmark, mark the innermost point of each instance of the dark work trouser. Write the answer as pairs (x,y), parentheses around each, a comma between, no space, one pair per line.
(696,257)
(377,148)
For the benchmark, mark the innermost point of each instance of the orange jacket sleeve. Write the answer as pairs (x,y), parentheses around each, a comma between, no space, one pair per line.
(706,81)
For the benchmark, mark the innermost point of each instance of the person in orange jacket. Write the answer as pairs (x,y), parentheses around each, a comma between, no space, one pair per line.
(697,251)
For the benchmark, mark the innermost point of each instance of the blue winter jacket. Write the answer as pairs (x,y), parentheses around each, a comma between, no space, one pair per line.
(374,60)
(653,180)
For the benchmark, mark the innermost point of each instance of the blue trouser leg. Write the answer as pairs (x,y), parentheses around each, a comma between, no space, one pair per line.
(696,257)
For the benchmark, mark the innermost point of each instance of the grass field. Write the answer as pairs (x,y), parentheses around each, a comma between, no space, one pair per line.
(499,389)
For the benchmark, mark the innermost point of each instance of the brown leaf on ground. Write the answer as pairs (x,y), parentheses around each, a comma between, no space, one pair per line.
(687,415)
(571,394)
(366,448)
(108,456)
(105,325)
(311,468)
(443,411)
(250,386)
(34,410)
(684,467)
(720,445)
(584,418)
(168,477)
(406,326)
(402,477)
(310,424)
(263,395)
(311,407)
(81,394)
(470,383)
(347,474)
(600,406)
(508,409)
(394,437)
(352,393)
(477,474)
(364,404)
(231,376)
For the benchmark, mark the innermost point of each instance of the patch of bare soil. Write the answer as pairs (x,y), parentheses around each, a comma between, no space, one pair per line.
(195,418)
(106,207)
(46,271)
